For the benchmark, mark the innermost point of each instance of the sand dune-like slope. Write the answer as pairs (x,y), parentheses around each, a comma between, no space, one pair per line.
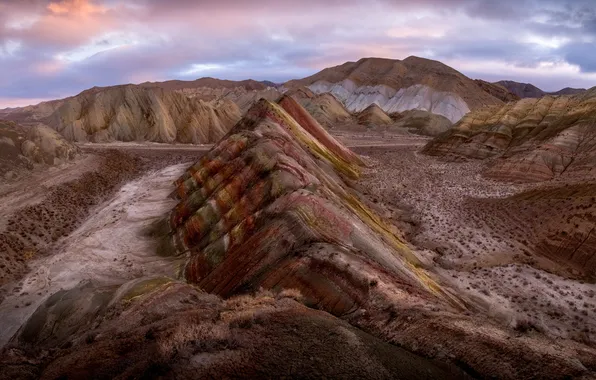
(535,139)
(24,147)
(397,86)
(132,113)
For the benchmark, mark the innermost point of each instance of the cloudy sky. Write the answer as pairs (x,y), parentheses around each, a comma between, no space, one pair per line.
(51,49)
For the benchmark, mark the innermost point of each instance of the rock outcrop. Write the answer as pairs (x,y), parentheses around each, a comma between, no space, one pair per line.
(24,147)
(133,113)
(373,115)
(397,86)
(535,139)
(325,108)
(279,173)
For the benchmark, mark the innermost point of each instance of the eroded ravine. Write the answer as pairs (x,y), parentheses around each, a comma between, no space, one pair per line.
(110,247)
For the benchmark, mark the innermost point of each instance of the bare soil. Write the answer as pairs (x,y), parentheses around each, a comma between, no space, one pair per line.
(447,209)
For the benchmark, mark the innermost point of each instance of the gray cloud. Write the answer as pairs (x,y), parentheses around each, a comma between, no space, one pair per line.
(57,48)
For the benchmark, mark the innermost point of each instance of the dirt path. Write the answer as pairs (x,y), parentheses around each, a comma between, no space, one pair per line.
(109,247)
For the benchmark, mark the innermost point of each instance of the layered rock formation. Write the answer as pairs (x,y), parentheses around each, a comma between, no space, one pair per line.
(373,115)
(132,113)
(23,147)
(325,108)
(527,90)
(397,86)
(536,139)
(279,173)
(274,206)
(243,93)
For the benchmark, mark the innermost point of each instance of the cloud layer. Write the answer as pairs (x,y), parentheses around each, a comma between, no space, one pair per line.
(51,49)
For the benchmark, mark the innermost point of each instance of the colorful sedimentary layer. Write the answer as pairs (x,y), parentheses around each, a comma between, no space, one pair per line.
(397,86)
(134,113)
(269,207)
(535,139)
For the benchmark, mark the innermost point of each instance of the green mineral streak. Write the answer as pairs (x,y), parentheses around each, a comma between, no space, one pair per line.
(144,287)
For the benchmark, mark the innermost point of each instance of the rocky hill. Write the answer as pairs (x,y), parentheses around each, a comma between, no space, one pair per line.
(534,139)
(244,93)
(497,90)
(527,90)
(133,113)
(397,86)
(373,115)
(25,147)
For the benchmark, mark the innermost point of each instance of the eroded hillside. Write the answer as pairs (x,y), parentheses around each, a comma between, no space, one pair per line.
(533,139)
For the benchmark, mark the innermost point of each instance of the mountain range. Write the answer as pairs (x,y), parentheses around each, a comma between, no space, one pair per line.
(203,110)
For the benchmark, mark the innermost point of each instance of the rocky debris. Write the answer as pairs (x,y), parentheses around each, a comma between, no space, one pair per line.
(524,250)
(534,139)
(25,147)
(158,327)
(397,86)
(527,90)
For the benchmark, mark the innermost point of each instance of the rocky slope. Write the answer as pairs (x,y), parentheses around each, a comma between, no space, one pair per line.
(373,115)
(421,122)
(243,93)
(24,147)
(497,90)
(535,139)
(325,108)
(397,86)
(133,113)
(527,90)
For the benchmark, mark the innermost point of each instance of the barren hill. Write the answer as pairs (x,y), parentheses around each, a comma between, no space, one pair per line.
(324,107)
(414,83)
(497,90)
(527,90)
(24,147)
(536,139)
(244,93)
(132,113)
(373,115)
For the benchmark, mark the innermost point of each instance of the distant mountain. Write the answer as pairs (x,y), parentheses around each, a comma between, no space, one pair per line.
(497,91)
(397,86)
(527,90)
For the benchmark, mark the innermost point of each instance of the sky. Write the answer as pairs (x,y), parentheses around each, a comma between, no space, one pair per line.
(53,49)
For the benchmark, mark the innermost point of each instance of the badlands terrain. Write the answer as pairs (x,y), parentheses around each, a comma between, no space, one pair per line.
(380,219)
